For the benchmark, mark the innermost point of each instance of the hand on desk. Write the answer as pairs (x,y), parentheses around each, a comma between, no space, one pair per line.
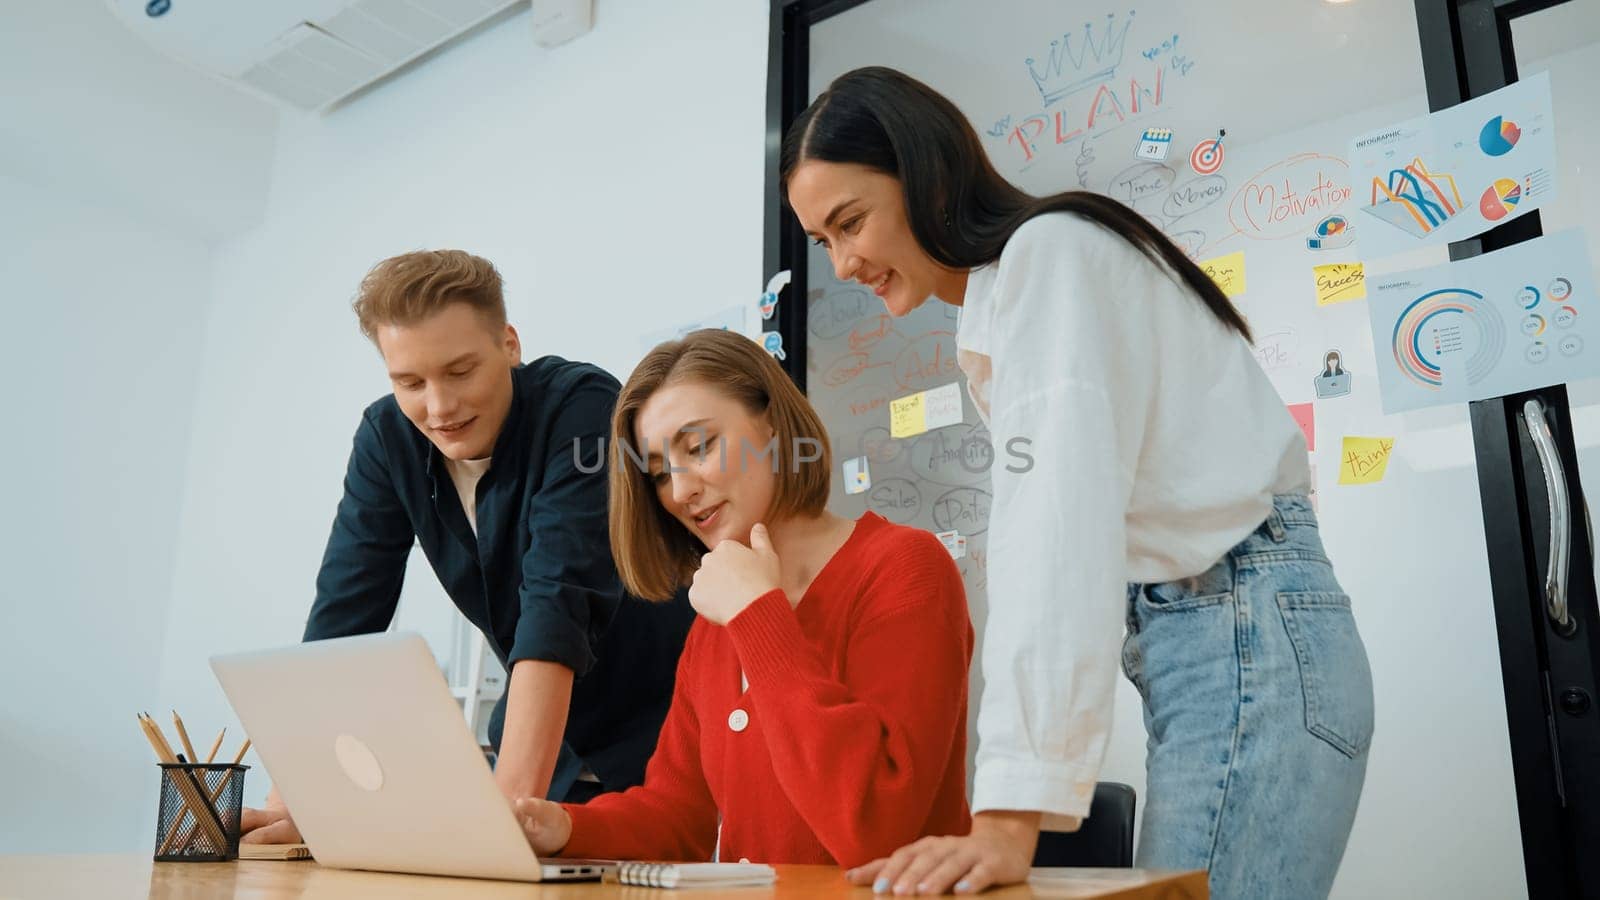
(546,824)
(271,824)
(998,851)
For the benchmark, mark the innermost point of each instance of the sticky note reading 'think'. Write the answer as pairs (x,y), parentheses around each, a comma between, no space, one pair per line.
(1338,282)
(1227,272)
(1364,459)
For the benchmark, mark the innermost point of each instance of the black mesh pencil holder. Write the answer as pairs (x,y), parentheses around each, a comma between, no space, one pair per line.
(198,820)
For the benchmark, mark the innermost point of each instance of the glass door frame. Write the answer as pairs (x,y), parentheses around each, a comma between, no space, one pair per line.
(1548,667)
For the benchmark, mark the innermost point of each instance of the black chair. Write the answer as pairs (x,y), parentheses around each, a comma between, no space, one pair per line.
(1105,840)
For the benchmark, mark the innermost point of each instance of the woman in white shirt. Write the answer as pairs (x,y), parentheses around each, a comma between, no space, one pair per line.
(1167,496)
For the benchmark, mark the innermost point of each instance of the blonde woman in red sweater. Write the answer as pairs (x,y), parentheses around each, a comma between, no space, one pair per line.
(820,709)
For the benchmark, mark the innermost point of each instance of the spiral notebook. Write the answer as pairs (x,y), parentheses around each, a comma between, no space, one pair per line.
(695,875)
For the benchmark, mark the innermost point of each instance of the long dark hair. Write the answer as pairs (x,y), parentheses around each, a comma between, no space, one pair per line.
(961,210)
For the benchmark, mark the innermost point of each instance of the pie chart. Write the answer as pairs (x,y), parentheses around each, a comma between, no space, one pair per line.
(1500,198)
(1498,136)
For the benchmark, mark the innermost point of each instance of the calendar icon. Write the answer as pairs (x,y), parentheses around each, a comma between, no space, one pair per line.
(1154,144)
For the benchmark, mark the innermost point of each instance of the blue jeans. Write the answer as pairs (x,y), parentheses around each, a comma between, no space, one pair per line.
(1258,703)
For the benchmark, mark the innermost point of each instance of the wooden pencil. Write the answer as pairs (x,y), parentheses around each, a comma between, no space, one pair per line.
(193,798)
(215,745)
(183,735)
(215,795)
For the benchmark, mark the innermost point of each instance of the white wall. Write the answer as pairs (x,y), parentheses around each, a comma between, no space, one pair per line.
(116,168)
(616,182)
(100,348)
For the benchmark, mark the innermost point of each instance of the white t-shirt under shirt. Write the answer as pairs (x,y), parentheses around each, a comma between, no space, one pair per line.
(466,473)
(1157,445)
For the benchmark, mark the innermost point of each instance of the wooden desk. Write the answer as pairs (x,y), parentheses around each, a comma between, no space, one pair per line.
(107,877)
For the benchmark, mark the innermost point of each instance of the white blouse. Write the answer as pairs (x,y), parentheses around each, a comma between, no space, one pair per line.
(1157,445)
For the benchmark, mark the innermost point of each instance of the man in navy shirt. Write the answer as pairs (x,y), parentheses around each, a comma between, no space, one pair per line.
(497,470)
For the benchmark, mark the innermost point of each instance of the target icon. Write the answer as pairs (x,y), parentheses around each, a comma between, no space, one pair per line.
(1206,158)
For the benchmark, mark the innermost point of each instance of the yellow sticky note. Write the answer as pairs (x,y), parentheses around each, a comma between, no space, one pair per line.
(908,416)
(1338,282)
(1227,272)
(1364,459)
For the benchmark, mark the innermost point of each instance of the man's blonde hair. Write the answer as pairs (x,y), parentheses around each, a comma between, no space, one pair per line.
(406,289)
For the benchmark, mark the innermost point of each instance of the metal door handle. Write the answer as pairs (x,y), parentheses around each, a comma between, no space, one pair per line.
(1555,484)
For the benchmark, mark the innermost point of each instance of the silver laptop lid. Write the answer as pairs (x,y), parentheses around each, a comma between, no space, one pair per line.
(371,754)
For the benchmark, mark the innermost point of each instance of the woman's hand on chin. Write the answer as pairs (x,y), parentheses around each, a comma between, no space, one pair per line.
(732,576)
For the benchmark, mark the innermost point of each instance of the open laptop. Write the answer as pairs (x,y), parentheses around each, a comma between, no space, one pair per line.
(371,754)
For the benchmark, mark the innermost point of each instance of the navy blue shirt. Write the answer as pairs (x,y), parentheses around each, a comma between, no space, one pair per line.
(537,578)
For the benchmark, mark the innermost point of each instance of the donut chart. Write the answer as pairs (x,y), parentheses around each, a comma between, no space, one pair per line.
(1498,136)
(1492,325)
(1499,199)
(1443,322)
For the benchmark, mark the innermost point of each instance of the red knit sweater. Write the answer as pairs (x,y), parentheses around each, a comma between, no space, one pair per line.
(854,727)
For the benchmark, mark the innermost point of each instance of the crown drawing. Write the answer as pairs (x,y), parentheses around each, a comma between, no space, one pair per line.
(1077,60)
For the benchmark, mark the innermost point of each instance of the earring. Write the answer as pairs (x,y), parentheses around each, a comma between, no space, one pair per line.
(947,222)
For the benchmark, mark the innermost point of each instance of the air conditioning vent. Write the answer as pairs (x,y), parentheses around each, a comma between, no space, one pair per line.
(307,54)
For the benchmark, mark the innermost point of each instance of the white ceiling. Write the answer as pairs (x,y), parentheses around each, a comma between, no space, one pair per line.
(307,53)
(90,109)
